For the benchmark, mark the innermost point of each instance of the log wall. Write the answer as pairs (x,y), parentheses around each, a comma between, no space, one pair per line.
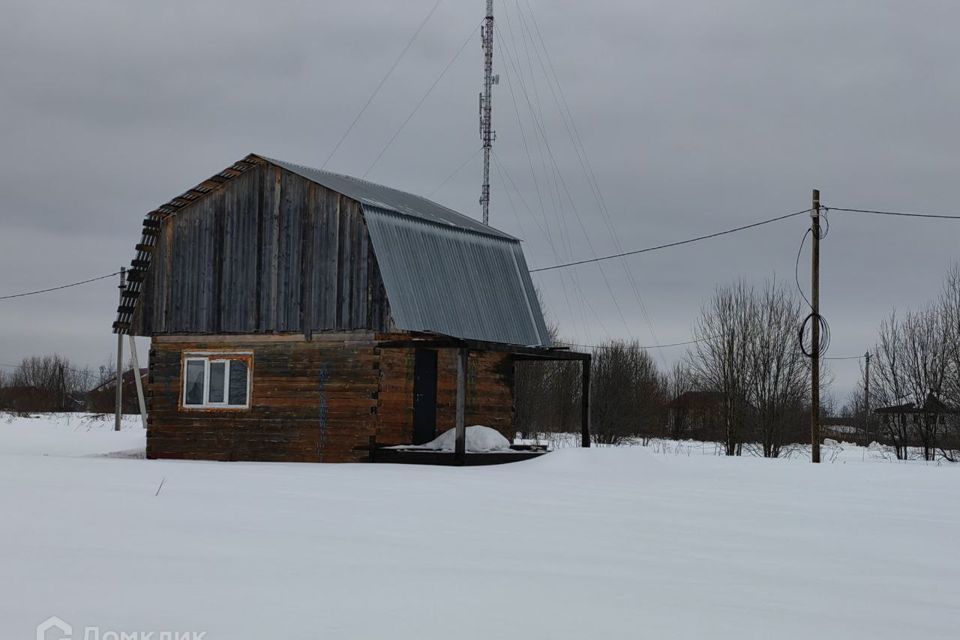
(315,400)
(489,393)
(311,401)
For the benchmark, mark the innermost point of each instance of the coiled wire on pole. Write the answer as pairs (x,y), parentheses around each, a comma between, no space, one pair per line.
(804,335)
(806,339)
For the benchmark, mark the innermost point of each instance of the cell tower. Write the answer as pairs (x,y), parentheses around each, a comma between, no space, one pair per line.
(487,135)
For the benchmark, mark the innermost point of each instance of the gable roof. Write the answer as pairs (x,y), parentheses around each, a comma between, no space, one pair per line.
(443,272)
(932,404)
(384,198)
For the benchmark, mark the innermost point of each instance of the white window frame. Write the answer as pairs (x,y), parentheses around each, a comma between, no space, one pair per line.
(214,357)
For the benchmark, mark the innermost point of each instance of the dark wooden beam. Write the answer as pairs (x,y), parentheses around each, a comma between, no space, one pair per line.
(519,352)
(461,449)
(585,405)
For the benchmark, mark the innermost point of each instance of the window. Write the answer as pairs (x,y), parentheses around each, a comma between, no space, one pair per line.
(216,380)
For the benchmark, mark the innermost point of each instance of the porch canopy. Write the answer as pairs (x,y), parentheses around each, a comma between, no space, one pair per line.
(518,352)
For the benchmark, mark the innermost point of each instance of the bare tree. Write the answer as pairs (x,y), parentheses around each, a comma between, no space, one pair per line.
(46,383)
(547,395)
(681,381)
(889,387)
(913,368)
(777,370)
(628,394)
(949,306)
(925,358)
(748,352)
(721,357)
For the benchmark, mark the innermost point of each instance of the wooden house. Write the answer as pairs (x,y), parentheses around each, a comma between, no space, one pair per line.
(296,314)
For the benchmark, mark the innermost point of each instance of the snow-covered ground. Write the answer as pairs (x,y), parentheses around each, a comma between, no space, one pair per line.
(831,451)
(631,542)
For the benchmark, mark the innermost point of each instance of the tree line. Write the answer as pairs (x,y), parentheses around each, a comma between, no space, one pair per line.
(54,383)
(743,383)
(915,377)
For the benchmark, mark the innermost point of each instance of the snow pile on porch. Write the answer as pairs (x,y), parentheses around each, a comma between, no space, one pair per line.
(480,439)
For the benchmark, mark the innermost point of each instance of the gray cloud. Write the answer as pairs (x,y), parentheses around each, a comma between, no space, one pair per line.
(696,117)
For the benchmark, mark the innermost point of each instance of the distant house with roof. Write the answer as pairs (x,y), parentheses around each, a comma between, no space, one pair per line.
(294,314)
(932,410)
(102,398)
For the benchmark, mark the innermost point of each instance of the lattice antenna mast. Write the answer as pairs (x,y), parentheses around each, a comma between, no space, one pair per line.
(487,135)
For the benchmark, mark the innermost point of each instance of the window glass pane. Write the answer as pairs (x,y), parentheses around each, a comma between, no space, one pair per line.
(217,375)
(193,391)
(238,382)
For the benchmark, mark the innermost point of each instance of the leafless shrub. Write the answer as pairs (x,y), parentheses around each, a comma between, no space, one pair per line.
(45,383)
(628,394)
(748,353)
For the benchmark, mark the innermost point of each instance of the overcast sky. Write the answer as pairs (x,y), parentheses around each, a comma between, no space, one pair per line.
(695,116)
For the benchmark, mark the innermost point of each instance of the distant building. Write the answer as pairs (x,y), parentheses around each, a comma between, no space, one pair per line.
(934,410)
(294,314)
(103,397)
(697,415)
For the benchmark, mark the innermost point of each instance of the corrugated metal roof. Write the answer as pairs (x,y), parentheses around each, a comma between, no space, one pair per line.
(385,198)
(455,282)
(444,272)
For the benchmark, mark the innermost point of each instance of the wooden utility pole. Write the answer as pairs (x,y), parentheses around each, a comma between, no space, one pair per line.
(63,387)
(815,331)
(119,380)
(866,401)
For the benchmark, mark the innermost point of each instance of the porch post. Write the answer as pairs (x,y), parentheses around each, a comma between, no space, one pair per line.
(585,403)
(461,450)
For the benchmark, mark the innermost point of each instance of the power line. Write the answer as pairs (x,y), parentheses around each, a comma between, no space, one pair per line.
(796,269)
(672,244)
(895,213)
(420,103)
(559,179)
(455,172)
(581,152)
(504,172)
(651,346)
(63,286)
(383,81)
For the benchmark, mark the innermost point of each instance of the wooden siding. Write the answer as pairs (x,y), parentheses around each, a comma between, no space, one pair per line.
(311,401)
(314,400)
(267,252)
(489,393)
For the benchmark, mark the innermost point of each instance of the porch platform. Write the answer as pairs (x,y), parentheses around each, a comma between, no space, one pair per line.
(413,455)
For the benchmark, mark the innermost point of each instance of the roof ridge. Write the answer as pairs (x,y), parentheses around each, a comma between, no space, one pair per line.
(429,210)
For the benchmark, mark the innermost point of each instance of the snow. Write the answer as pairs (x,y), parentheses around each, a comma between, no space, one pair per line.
(70,434)
(479,439)
(599,543)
